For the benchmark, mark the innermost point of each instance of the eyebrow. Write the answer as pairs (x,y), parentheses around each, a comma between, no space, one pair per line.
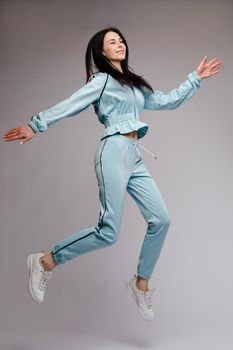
(115,39)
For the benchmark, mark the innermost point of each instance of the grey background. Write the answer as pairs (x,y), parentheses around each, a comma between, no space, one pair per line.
(49,189)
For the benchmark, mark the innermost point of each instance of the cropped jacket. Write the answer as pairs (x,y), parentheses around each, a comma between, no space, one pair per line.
(118,107)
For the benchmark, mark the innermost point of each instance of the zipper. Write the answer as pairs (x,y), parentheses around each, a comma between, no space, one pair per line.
(134,102)
(138,142)
(132,88)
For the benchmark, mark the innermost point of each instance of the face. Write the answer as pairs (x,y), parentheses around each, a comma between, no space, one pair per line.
(114,48)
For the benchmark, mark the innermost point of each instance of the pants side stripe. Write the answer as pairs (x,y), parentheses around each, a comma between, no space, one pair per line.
(53,253)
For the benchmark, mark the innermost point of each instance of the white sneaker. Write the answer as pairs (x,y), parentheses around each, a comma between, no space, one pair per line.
(143,300)
(37,277)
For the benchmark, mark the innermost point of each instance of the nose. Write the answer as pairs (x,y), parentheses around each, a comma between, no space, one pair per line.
(120,48)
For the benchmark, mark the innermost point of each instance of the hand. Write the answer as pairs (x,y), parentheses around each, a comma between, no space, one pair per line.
(208,69)
(23,132)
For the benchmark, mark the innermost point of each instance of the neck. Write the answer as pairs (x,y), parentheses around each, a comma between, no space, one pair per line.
(117,65)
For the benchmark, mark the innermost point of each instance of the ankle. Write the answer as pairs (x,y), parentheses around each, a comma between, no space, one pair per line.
(47,262)
(142,284)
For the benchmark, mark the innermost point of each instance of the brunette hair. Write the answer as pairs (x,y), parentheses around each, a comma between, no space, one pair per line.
(96,61)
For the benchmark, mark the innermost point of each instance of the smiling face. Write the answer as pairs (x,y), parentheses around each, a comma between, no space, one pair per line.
(114,48)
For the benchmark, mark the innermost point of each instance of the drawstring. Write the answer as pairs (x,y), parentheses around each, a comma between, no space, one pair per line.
(147,150)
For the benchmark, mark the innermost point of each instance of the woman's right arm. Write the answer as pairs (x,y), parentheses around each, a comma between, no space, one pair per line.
(73,105)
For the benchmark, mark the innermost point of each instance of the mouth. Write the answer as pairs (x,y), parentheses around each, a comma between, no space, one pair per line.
(120,51)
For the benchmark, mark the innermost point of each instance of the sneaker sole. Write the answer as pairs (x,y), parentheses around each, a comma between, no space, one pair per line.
(133,296)
(30,267)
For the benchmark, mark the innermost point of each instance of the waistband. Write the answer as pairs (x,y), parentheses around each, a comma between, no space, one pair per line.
(127,139)
(133,142)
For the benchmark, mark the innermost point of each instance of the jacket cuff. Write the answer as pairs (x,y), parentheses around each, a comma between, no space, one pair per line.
(195,77)
(33,126)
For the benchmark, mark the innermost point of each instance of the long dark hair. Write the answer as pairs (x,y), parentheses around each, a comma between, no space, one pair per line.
(97,62)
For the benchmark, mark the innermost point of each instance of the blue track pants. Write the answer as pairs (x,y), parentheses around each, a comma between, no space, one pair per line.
(119,168)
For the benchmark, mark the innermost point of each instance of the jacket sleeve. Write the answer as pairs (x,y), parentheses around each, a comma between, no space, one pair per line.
(71,106)
(176,97)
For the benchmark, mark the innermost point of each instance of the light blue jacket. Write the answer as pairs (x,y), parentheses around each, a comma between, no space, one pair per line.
(117,107)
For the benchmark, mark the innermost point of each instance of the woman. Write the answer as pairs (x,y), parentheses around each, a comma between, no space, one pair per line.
(118,96)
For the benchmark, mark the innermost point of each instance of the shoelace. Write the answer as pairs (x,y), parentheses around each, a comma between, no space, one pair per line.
(45,276)
(147,298)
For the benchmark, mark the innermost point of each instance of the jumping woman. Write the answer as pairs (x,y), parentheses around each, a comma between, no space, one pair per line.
(118,96)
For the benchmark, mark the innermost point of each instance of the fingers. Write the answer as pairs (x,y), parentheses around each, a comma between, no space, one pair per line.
(215,65)
(14,129)
(10,136)
(204,59)
(13,137)
(202,62)
(214,71)
(214,60)
(25,140)
(11,132)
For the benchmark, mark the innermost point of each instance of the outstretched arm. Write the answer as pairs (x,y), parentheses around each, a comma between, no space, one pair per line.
(71,106)
(176,97)
(80,100)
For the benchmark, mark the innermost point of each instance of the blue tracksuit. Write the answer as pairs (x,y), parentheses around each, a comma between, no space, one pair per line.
(118,163)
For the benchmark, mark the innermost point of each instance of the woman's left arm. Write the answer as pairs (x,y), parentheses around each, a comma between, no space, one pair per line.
(177,96)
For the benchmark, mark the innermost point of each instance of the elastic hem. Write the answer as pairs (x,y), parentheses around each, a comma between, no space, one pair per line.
(145,277)
(55,257)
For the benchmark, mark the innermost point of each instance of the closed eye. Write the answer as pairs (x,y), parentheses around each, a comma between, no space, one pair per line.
(121,41)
